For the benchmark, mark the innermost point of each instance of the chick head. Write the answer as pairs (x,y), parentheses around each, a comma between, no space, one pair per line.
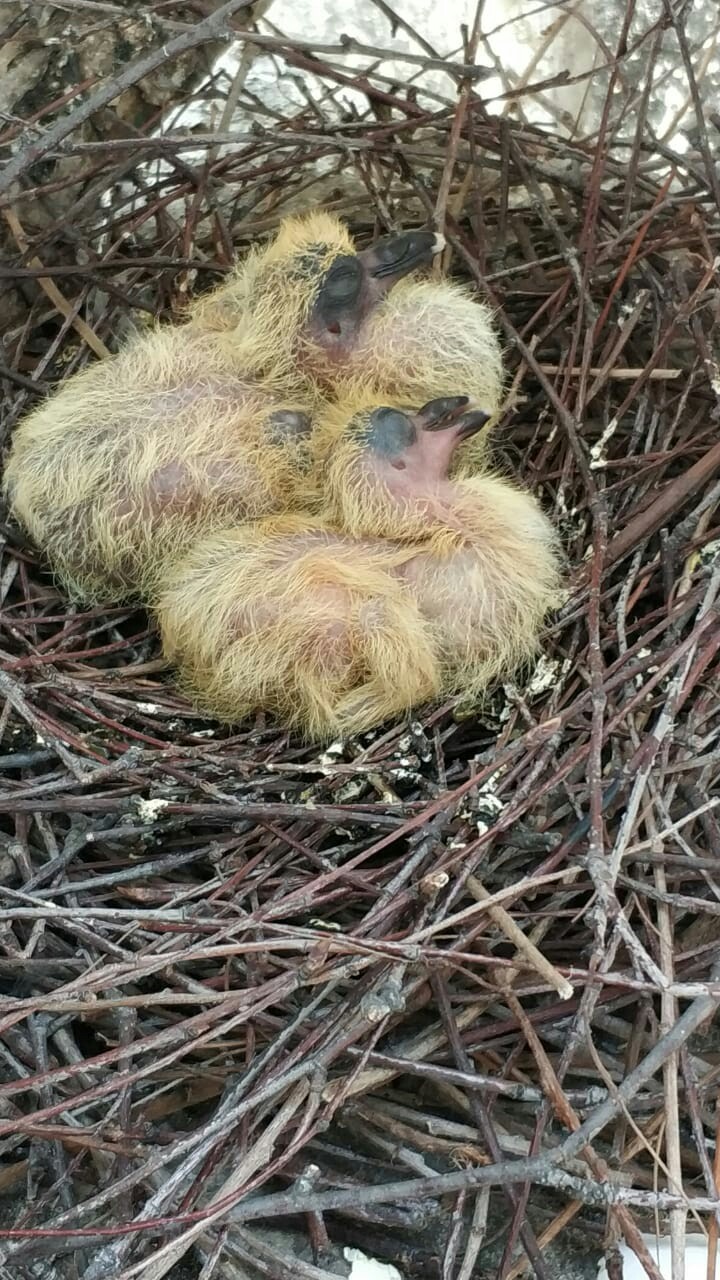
(305,297)
(427,339)
(387,472)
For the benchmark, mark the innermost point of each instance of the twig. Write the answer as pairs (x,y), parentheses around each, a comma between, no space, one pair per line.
(210,28)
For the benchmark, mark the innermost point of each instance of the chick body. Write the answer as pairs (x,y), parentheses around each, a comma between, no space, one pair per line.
(410,585)
(112,482)
(292,617)
(305,301)
(178,434)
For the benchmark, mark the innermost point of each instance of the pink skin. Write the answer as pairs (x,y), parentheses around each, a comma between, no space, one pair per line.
(173,490)
(176,488)
(415,474)
(338,622)
(412,461)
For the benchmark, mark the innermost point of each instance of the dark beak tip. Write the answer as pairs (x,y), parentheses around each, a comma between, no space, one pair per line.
(398,254)
(429,242)
(444,412)
(472,422)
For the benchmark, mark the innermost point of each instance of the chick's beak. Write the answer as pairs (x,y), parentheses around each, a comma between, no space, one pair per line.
(439,415)
(436,415)
(470,423)
(395,256)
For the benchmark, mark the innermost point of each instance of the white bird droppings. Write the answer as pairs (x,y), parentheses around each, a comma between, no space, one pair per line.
(364,1268)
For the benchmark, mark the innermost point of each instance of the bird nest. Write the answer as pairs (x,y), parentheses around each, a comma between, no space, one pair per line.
(443,994)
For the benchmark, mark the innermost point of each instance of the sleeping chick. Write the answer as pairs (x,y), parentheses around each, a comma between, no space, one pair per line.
(111,483)
(192,426)
(303,303)
(483,564)
(407,586)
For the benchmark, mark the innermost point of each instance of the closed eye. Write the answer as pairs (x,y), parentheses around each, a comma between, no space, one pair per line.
(342,288)
(342,284)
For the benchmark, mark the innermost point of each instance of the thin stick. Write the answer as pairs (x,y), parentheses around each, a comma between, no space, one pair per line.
(50,288)
(529,952)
